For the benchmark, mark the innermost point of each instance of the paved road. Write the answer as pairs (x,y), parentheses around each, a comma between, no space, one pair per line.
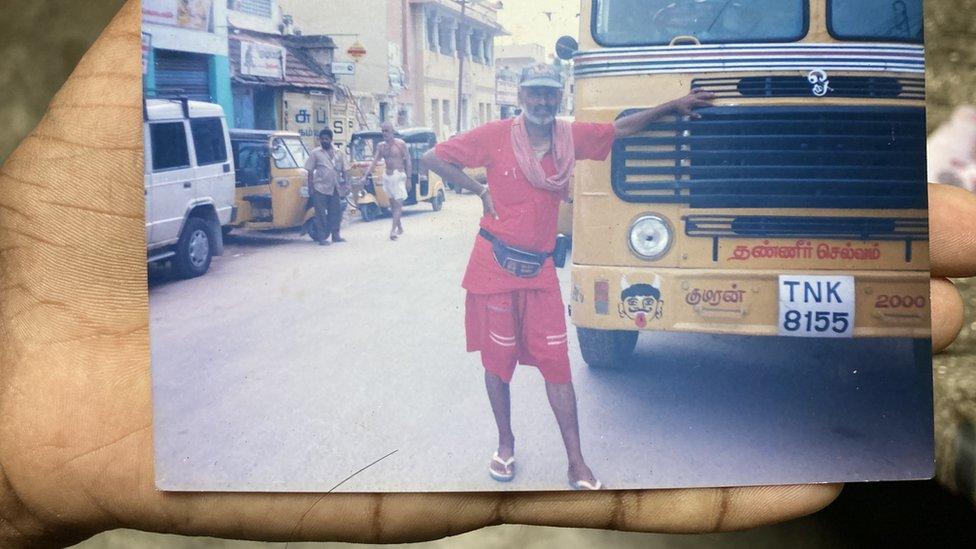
(292,367)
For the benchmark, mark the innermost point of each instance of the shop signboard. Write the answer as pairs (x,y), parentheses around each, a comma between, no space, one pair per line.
(506,92)
(187,14)
(310,113)
(265,60)
(343,68)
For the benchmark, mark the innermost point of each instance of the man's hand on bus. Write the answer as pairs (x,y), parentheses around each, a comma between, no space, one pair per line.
(685,106)
(76,453)
(697,99)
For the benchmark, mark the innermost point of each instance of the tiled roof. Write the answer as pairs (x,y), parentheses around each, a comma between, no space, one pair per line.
(300,70)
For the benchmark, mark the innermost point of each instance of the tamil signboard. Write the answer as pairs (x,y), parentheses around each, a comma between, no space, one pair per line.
(506,92)
(308,114)
(187,14)
(265,60)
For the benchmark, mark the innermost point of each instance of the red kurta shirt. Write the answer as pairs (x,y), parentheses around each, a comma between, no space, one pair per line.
(527,216)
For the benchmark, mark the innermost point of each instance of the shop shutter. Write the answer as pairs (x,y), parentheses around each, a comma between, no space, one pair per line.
(185,74)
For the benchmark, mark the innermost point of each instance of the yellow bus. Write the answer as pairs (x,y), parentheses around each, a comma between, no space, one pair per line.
(796,206)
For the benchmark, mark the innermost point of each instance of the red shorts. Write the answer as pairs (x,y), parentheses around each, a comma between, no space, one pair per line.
(519,327)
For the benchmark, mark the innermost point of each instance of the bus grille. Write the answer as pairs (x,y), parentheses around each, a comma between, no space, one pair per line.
(778,157)
(866,87)
(772,226)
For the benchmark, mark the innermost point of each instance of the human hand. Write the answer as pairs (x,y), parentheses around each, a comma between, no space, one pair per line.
(697,99)
(487,205)
(76,452)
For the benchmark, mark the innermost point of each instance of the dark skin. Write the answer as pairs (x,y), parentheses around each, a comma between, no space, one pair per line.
(76,453)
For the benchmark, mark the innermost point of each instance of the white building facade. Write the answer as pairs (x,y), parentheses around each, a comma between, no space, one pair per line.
(379,82)
(455,49)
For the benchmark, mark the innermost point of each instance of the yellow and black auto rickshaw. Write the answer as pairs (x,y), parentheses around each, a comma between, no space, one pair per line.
(271,182)
(424,186)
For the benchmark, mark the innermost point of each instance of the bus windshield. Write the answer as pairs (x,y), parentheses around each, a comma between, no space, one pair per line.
(876,20)
(657,22)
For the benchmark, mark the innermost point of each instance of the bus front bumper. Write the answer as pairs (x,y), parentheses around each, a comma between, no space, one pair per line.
(884,304)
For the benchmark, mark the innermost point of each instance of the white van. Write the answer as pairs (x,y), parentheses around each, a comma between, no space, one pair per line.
(189,182)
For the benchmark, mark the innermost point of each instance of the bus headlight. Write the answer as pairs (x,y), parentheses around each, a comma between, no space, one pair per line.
(650,237)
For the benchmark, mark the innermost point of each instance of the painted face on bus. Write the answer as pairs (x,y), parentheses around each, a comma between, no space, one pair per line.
(540,104)
(641,303)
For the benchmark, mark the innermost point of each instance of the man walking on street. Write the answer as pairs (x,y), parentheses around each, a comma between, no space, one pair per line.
(328,174)
(399,170)
(514,312)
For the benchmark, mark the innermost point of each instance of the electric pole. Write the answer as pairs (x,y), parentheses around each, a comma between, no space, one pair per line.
(462,47)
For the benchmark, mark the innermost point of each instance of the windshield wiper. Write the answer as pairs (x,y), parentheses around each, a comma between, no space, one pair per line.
(721,12)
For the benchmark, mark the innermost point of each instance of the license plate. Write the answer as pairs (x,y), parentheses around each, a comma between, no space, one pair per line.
(303,192)
(816,306)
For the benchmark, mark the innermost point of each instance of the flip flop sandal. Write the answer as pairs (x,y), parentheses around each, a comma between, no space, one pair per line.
(585,485)
(500,477)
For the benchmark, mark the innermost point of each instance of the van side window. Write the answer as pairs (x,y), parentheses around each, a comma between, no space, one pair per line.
(208,138)
(169,146)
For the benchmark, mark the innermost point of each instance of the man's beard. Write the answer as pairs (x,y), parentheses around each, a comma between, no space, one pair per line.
(543,120)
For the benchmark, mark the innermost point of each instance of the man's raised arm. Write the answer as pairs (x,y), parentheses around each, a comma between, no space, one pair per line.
(635,123)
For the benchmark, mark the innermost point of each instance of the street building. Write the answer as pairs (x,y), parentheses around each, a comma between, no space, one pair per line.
(184,48)
(417,54)
(375,78)
(451,44)
(506,92)
(280,78)
(282,82)
(518,56)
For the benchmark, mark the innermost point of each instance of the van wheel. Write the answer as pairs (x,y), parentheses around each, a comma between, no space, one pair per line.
(226,229)
(606,348)
(194,250)
(438,201)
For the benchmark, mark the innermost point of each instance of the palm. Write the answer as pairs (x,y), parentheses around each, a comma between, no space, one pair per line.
(75,387)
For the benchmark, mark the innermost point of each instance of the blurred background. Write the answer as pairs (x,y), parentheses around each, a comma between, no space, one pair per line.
(41,41)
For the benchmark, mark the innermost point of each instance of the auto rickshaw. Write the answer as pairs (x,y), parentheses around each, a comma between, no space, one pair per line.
(271,182)
(424,186)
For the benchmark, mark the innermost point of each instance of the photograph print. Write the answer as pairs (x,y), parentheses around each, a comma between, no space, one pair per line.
(467,245)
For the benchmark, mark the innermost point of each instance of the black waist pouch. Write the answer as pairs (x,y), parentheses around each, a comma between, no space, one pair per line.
(518,262)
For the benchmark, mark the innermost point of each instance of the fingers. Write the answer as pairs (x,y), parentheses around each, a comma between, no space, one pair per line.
(948,313)
(390,518)
(73,303)
(952,226)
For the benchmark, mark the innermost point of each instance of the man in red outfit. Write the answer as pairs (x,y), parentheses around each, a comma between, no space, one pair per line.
(514,311)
